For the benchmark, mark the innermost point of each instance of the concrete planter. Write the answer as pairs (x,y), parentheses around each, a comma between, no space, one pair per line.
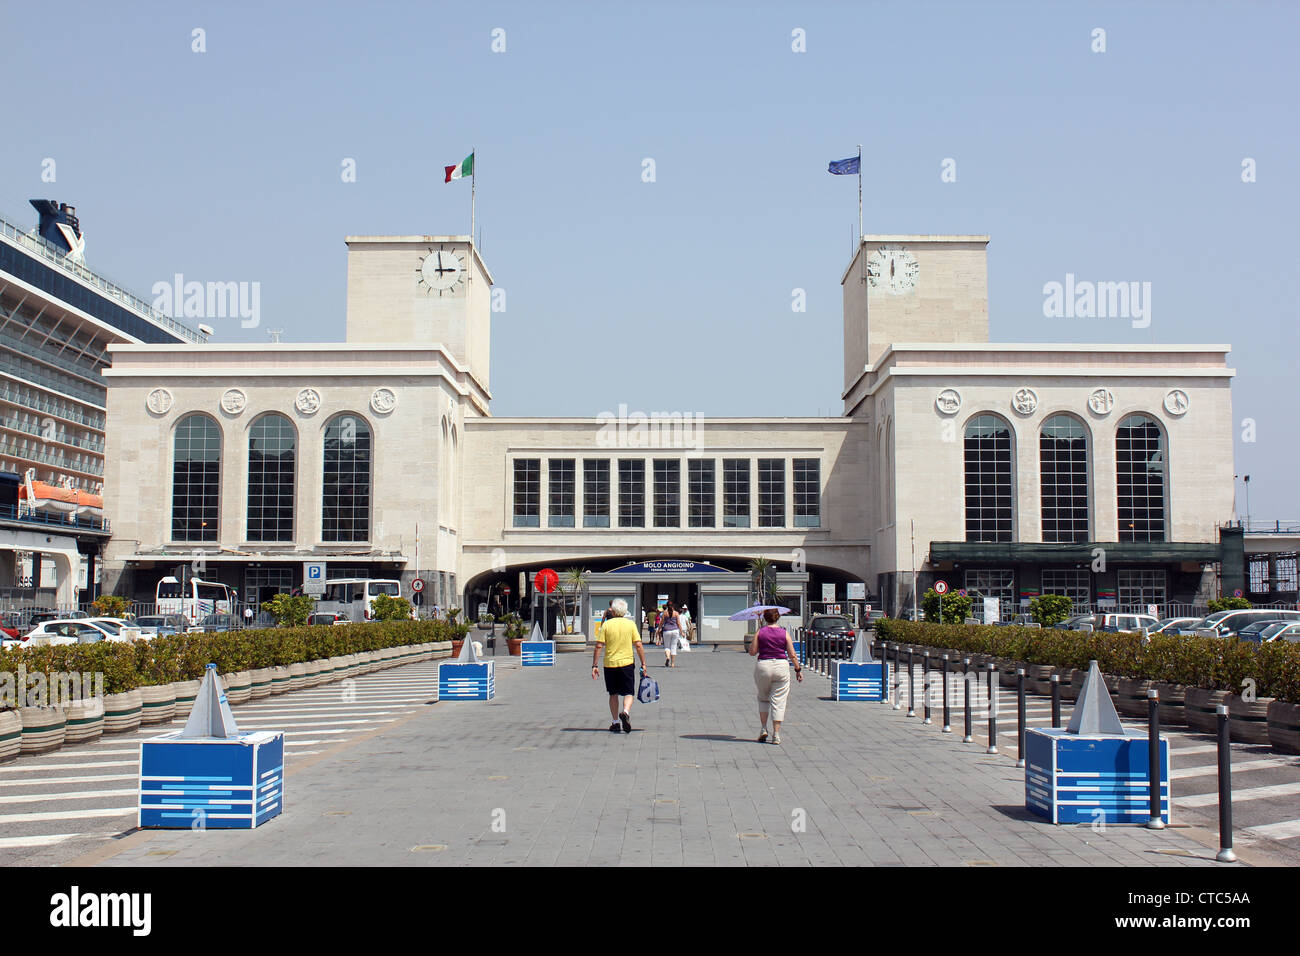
(280,680)
(568,643)
(441,649)
(11,734)
(1172,700)
(297,676)
(1007,672)
(1248,720)
(85,720)
(1283,727)
(261,686)
(1038,679)
(44,729)
(315,673)
(1112,685)
(186,691)
(239,686)
(122,712)
(158,704)
(1131,697)
(1200,708)
(1070,690)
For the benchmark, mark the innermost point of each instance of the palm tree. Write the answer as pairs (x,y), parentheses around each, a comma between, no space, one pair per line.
(577,579)
(762,576)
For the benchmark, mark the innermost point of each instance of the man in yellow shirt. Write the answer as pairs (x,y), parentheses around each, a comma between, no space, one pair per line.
(621,641)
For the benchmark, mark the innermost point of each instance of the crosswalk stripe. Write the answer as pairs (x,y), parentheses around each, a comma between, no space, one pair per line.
(1249,793)
(76,795)
(73,766)
(1241,766)
(1277,831)
(48,839)
(65,815)
(95,778)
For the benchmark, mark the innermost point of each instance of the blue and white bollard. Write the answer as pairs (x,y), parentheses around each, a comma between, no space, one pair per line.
(537,653)
(467,677)
(860,677)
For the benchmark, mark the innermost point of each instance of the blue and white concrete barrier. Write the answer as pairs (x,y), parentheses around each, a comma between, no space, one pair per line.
(467,677)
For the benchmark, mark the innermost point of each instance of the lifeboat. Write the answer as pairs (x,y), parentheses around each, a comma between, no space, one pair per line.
(42,496)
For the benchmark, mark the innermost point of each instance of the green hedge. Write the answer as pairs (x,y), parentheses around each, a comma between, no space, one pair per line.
(184,656)
(1209,662)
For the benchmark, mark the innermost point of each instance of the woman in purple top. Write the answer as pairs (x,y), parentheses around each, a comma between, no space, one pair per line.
(775,652)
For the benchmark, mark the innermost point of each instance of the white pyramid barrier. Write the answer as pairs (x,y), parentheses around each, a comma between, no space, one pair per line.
(1093,771)
(467,677)
(537,651)
(861,677)
(209,775)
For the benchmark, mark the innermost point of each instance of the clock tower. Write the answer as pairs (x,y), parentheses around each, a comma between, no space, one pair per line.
(913,289)
(422,290)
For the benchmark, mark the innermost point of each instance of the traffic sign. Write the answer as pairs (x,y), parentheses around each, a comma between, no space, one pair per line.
(940,587)
(417,585)
(546,580)
(313,577)
(1237,593)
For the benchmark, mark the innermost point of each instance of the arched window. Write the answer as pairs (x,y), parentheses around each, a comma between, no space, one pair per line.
(345,488)
(1063,467)
(272,465)
(1140,479)
(196,479)
(989,492)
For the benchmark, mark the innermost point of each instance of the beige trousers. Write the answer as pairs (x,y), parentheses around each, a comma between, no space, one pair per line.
(773,681)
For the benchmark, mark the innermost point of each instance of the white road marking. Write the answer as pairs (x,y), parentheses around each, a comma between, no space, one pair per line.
(64,815)
(1241,766)
(48,839)
(75,795)
(1285,830)
(1249,793)
(58,780)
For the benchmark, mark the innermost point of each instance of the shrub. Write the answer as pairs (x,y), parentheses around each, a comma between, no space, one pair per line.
(389,608)
(109,605)
(955,607)
(290,610)
(1049,609)
(1228,604)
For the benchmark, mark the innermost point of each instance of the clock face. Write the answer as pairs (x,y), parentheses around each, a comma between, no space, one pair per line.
(893,269)
(441,271)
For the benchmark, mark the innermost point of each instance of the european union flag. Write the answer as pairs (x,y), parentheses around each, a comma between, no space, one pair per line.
(845,167)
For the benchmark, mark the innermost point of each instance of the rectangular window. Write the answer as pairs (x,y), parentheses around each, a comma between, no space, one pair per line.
(1259,576)
(997,583)
(735,492)
(595,494)
(528,492)
(807,493)
(1285,565)
(561,480)
(631,493)
(668,493)
(771,492)
(1068,582)
(702,479)
(1139,587)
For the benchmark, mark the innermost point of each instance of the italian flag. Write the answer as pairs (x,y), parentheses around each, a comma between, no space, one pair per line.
(460,171)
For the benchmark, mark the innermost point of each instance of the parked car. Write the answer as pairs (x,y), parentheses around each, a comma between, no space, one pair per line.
(912,614)
(1112,623)
(1265,632)
(1017,620)
(836,630)
(1228,623)
(119,627)
(65,631)
(328,618)
(1171,625)
(219,623)
(162,625)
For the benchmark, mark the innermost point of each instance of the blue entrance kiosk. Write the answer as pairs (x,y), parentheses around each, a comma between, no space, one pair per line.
(1093,770)
(861,677)
(537,651)
(210,776)
(467,677)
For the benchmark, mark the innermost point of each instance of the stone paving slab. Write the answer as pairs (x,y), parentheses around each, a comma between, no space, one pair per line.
(534,777)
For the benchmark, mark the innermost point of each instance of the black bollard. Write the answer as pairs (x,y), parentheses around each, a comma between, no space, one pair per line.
(925,685)
(911,683)
(1056,701)
(898,681)
(1225,854)
(993,710)
(1157,821)
(965,679)
(1020,717)
(947,721)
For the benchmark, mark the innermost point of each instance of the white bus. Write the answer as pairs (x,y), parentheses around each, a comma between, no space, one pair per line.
(195,599)
(352,597)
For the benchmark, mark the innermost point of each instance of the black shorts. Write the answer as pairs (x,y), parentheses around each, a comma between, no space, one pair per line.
(621,681)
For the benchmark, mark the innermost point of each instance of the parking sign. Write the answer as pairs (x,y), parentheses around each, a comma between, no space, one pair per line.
(313,578)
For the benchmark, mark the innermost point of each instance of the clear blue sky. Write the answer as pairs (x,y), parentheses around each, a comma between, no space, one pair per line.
(675,295)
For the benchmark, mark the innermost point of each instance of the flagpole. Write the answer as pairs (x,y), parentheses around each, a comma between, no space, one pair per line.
(859,192)
(473,182)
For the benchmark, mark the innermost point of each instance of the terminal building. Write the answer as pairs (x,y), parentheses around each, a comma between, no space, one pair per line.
(57,320)
(1103,472)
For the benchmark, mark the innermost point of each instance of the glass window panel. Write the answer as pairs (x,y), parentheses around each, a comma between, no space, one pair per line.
(668,493)
(196,479)
(345,488)
(631,493)
(735,493)
(988,479)
(561,478)
(807,493)
(702,505)
(1140,479)
(771,492)
(272,464)
(595,494)
(528,492)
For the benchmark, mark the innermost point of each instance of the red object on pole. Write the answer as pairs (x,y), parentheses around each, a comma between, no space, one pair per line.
(546,581)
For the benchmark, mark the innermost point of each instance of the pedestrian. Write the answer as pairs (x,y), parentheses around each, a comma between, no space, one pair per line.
(688,625)
(248,616)
(622,645)
(655,621)
(775,652)
(672,630)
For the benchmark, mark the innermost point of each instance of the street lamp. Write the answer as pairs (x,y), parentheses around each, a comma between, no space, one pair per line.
(1247,480)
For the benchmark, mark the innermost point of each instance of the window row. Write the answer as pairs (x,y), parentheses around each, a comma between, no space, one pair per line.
(272,473)
(1063,474)
(657,497)
(1137,587)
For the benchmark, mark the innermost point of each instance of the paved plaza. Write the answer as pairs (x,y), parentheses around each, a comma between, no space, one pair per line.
(389,777)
